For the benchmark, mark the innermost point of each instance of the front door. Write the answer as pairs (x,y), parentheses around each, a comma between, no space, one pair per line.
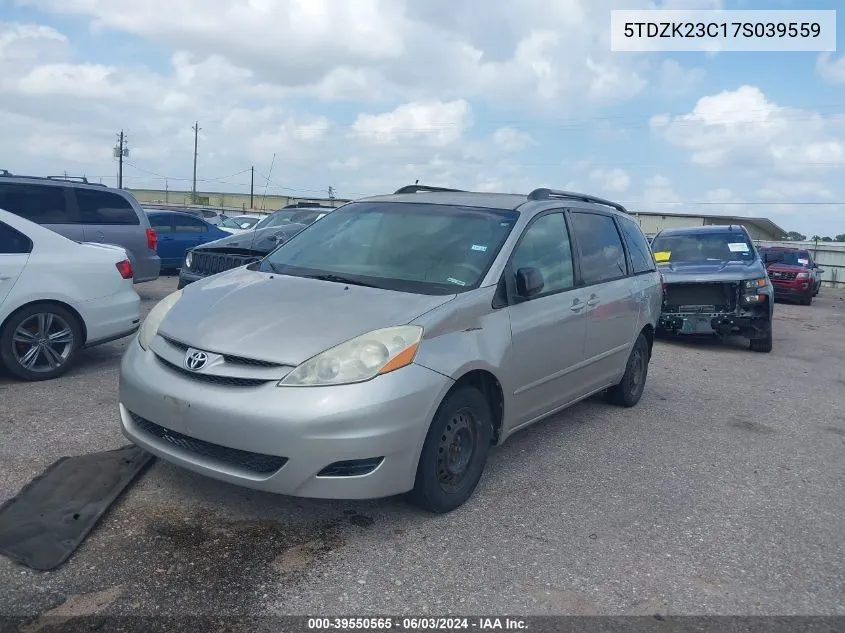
(547,330)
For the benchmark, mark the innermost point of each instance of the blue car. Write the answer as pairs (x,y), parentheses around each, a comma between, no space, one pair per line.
(179,232)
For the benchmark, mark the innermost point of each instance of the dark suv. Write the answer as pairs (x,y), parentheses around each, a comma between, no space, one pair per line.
(714,283)
(85,212)
(793,272)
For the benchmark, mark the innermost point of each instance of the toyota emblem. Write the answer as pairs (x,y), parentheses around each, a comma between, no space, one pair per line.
(196,360)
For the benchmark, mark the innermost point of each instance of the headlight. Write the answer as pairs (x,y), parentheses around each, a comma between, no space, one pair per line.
(359,359)
(150,325)
(754,284)
(802,276)
(188,259)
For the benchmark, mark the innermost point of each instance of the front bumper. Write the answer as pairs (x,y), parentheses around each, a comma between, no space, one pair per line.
(186,277)
(794,292)
(310,428)
(726,324)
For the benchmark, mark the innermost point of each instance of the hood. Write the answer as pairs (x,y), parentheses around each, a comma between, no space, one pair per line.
(284,319)
(261,241)
(706,272)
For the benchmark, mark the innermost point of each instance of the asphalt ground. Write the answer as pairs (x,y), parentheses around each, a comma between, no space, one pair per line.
(720,493)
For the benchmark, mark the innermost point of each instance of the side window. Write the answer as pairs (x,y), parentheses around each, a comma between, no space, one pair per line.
(545,246)
(42,204)
(186,224)
(13,242)
(602,255)
(160,222)
(641,257)
(209,214)
(102,207)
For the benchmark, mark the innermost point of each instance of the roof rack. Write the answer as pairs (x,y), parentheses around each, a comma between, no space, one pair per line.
(5,172)
(81,179)
(423,188)
(548,194)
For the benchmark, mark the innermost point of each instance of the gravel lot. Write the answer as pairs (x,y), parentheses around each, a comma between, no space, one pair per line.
(721,493)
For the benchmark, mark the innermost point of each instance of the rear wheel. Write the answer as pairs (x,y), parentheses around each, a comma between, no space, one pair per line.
(455,451)
(40,341)
(630,389)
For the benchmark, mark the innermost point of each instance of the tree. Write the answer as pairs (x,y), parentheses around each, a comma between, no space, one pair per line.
(840,237)
(796,236)
(827,239)
(816,238)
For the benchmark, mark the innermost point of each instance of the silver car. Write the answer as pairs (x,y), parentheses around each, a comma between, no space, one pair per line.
(385,348)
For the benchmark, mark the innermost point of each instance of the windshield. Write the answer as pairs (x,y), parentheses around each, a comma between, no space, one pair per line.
(240,223)
(276,219)
(421,248)
(790,258)
(702,247)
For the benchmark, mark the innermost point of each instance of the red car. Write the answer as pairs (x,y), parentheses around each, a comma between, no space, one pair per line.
(793,272)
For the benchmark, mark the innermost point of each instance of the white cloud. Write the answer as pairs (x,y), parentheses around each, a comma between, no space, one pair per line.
(797,190)
(674,79)
(830,69)
(659,195)
(613,180)
(511,140)
(433,123)
(742,130)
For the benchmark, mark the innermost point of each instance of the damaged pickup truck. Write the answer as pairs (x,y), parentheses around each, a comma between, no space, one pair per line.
(715,283)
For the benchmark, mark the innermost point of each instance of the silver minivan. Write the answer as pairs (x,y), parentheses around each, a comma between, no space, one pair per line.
(85,212)
(385,348)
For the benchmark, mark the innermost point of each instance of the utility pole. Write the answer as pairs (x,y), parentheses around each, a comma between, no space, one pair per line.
(166,191)
(251,185)
(196,129)
(331,192)
(120,152)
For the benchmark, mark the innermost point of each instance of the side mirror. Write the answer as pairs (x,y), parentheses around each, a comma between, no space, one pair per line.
(529,282)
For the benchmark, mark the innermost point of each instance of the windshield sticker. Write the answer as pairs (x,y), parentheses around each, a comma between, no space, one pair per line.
(803,262)
(738,247)
(479,247)
(662,256)
(452,280)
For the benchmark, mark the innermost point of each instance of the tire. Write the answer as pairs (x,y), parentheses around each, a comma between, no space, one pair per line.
(808,299)
(463,417)
(26,333)
(629,390)
(763,345)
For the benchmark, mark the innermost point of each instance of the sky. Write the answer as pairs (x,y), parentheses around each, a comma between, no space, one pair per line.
(368,95)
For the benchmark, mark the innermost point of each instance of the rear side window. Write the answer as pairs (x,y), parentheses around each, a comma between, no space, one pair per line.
(602,254)
(13,242)
(42,204)
(641,258)
(160,222)
(102,207)
(186,224)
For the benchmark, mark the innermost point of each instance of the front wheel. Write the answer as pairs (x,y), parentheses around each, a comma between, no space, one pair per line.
(40,342)
(630,389)
(763,344)
(455,452)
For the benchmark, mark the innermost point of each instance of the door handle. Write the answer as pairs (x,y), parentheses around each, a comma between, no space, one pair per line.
(577,306)
(593,301)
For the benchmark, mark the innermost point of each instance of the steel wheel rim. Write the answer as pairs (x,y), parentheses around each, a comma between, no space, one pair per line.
(456,449)
(42,342)
(637,370)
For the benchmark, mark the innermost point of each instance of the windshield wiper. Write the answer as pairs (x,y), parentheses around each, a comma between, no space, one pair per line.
(340,279)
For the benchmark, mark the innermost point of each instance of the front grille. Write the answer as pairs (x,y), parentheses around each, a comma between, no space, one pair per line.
(205,263)
(351,468)
(782,276)
(702,297)
(234,360)
(257,463)
(209,378)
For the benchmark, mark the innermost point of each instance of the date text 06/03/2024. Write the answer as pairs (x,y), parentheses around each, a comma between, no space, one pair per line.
(492,623)
(655,30)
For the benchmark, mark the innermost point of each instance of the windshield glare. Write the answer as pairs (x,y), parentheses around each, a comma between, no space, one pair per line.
(702,247)
(422,248)
(275,219)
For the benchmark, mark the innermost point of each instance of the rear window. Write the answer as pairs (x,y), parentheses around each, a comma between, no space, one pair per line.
(42,204)
(102,207)
(13,241)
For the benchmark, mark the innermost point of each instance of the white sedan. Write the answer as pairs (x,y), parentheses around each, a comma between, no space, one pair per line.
(240,223)
(58,296)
